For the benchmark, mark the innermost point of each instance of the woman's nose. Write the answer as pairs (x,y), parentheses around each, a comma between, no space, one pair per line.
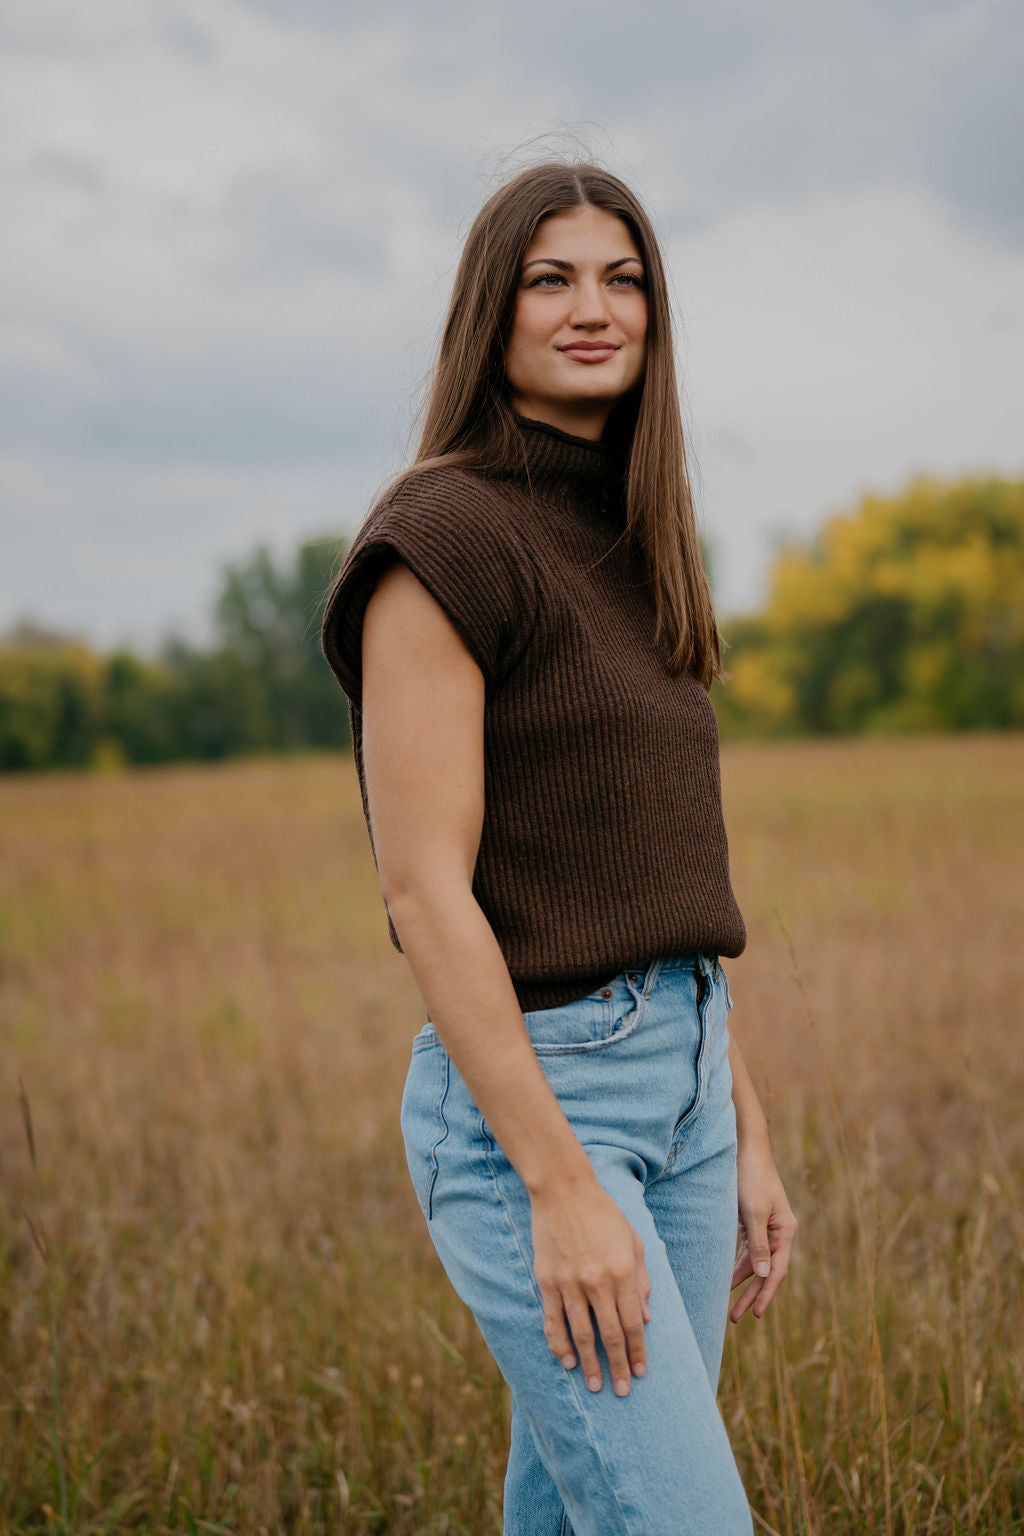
(590,306)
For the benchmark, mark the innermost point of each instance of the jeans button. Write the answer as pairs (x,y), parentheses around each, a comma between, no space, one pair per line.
(606,992)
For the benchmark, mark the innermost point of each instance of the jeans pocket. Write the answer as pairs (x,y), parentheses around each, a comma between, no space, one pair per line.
(422,1118)
(591,1023)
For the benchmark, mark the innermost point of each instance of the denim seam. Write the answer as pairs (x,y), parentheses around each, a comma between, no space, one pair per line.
(443,1127)
(684,1126)
(573,1389)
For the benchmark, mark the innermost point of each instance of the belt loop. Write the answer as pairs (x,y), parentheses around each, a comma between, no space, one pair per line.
(651,976)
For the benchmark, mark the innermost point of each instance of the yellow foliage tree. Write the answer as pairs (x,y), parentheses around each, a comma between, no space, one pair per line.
(907,614)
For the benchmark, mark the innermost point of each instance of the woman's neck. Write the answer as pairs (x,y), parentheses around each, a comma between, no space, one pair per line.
(576,418)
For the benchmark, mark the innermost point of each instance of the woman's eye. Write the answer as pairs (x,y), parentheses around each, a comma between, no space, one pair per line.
(629,279)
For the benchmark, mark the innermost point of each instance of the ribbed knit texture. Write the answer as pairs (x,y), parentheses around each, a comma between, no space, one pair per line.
(603,843)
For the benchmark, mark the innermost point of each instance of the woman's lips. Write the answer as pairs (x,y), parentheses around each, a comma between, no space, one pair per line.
(589,354)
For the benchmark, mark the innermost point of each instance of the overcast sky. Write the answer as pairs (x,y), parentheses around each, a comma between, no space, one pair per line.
(231,227)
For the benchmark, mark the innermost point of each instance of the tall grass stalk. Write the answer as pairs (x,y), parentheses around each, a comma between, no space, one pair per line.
(866,1251)
(56,1416)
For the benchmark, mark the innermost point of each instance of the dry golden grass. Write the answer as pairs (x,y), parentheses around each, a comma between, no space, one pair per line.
(219,1306)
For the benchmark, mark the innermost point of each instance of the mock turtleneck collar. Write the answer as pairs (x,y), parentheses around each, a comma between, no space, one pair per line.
(574,472)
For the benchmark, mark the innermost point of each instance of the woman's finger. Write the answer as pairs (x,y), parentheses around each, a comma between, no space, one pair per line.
(767,1291)
(614,1340)
(643,1280)
(781,1254)
(755,1225)
(746,1299)
(742,1269)
(633,1314)
(555,1329)
(577,1310)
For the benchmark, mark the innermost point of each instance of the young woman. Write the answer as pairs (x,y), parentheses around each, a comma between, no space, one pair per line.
(524,628)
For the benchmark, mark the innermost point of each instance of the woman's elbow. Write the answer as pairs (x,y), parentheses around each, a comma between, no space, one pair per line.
(416,886)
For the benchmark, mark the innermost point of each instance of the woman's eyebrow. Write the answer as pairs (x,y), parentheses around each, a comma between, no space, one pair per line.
(568,266)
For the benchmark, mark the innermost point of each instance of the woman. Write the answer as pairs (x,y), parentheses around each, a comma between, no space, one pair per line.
(525,632)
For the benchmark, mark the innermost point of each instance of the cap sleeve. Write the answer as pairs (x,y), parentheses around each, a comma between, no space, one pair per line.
(455,533)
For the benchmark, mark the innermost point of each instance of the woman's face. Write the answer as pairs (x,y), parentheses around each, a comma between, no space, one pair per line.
(578,339)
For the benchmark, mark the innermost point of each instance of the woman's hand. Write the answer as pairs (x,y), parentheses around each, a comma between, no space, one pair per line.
(587,1255)
(769,1228)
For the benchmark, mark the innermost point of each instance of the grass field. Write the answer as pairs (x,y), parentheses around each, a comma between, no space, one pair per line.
(219,1305)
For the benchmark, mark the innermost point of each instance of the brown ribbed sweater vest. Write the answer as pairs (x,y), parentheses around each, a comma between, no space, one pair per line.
(603,844)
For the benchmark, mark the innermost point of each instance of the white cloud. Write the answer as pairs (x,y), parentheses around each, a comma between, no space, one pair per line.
(839,344)
(231,228)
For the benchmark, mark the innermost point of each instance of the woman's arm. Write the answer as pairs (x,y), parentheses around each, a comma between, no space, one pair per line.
(423,716)
(769,1225)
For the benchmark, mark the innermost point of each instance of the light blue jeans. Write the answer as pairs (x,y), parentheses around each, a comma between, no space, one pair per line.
(641,1069)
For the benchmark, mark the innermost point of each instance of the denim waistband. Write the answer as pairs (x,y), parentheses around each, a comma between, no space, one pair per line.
(694,962)
(648,973)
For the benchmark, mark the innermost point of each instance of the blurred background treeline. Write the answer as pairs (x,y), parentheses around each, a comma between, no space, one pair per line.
(261,686)
(905,614)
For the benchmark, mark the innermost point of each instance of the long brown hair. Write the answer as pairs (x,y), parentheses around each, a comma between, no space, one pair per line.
(469,419)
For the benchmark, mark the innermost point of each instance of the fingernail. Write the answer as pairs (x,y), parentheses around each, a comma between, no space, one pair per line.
(594,1383)
(762,1268)
(638,1370)
(622,1387)
(568,1361)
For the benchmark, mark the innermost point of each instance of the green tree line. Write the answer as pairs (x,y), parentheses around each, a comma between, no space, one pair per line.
(904,614)
(262,686)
